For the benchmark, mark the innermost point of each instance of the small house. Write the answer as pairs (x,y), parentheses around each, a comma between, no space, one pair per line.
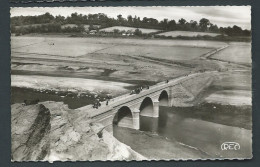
(92,32)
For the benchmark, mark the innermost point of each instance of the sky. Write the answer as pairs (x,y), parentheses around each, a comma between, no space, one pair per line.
(221,15)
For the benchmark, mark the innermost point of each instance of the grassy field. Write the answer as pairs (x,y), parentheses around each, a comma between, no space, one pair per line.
(121,28)
(187,34)
(68,26)
(236,52)
(30,25)
(86,26)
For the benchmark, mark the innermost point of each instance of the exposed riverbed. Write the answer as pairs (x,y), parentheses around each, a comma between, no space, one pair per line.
(72,99)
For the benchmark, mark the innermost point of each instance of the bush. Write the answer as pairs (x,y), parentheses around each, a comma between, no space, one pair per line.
(138,32)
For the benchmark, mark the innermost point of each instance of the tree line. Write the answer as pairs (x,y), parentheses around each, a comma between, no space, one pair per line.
(50,23)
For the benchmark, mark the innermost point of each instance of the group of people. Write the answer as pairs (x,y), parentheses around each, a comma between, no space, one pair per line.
(138,90)
(97,102)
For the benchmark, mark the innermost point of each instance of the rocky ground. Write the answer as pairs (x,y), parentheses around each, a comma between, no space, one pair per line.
(50,131)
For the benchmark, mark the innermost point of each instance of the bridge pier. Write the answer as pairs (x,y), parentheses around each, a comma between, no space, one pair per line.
(156,108)
(136,119)
(170,103)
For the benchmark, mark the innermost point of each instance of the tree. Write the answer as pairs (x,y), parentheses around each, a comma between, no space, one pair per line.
(153,22)
(204,23)
(193,24)
(81,28)
(46,18)
(182,21)
(164,24)
(122,32)
(48,23)
(237,30)
(171,25)
(119,17)
(138,32)
(145,20)
(116,31)
(213,28)
(246,33)
(129,19)
(91,27)
(59,19)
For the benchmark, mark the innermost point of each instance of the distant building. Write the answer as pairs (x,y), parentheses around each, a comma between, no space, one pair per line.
(129,34)
(92,32)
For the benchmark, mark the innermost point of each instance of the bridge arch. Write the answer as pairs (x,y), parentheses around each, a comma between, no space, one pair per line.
(163,98)
(123,117)
(146,107)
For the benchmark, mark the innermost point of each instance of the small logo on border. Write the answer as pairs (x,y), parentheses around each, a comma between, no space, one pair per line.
(230,146)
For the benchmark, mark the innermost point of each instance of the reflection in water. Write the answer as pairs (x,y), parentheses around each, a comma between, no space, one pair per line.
(201,136)
(148,124)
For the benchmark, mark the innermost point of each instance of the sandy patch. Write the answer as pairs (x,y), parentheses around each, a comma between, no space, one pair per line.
(67,84)
(231,97)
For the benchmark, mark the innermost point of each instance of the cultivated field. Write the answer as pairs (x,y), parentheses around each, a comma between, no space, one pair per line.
(186,34)
(236,52)
(121,28)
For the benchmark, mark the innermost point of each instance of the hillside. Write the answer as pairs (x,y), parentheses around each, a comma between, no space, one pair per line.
(187,34)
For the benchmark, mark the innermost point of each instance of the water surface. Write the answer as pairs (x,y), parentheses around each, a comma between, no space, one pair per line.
(178,133)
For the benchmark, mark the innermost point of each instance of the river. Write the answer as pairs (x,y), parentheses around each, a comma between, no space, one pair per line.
(191,133)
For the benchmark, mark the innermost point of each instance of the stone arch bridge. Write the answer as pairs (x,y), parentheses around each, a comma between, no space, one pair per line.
(125,110)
